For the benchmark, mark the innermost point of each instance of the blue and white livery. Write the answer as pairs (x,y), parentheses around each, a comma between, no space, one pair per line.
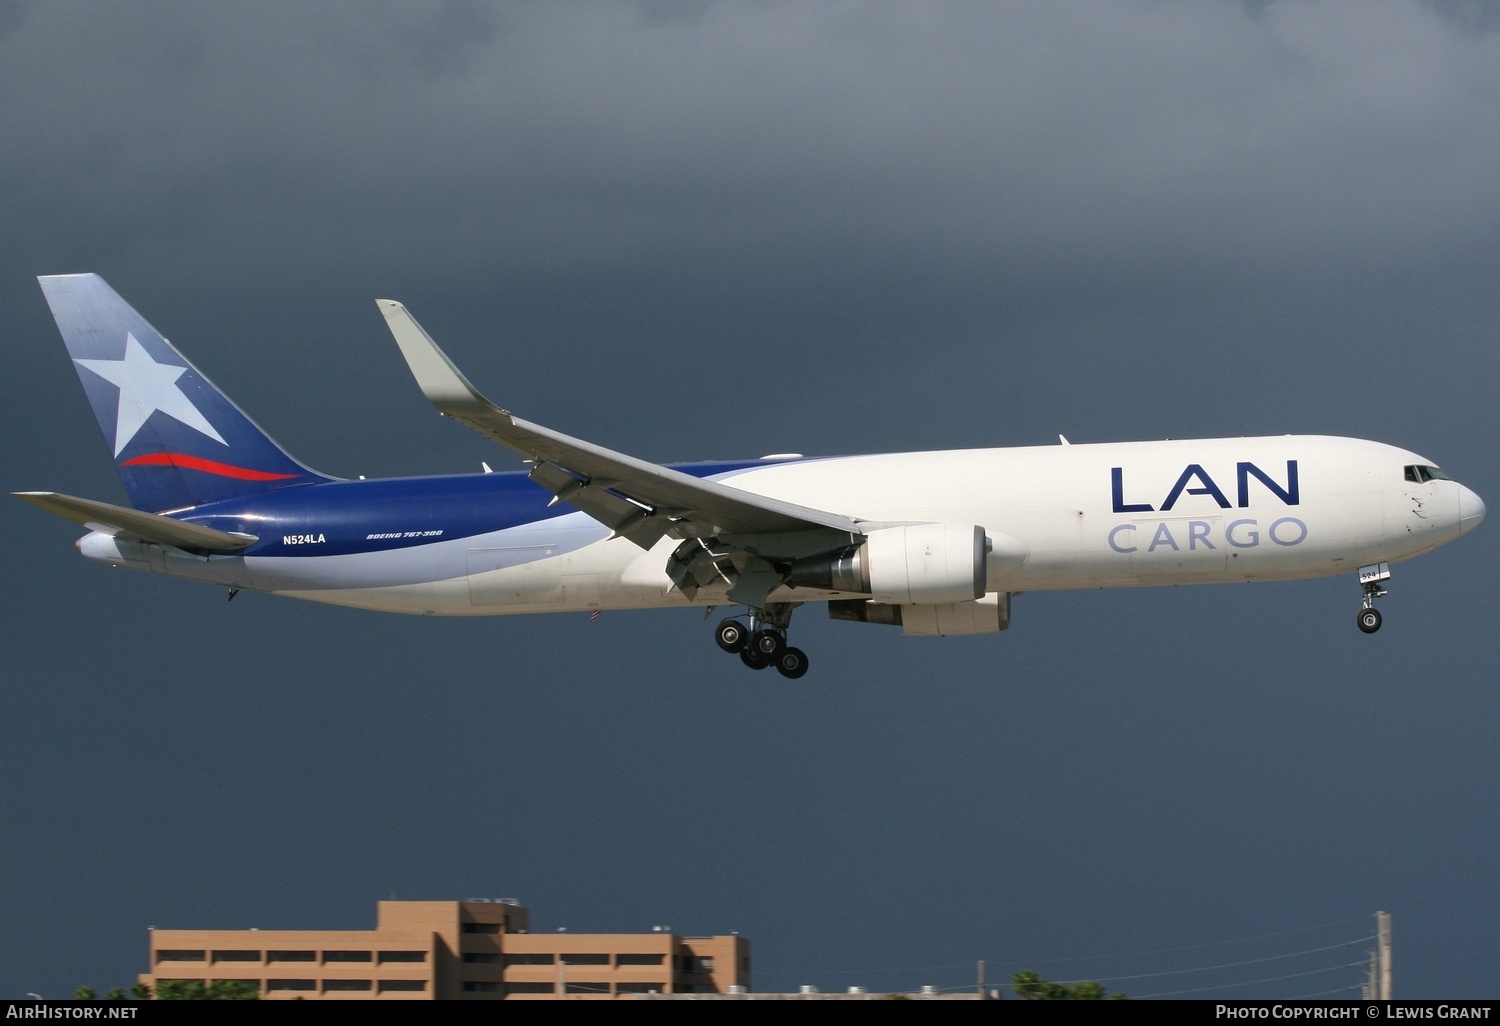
(934,542)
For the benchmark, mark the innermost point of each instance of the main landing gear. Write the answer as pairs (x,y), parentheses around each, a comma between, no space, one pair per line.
(1371,578)
(762,642)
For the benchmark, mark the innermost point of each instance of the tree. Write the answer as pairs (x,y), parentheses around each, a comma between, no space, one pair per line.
(1032,987)
(137,992)
(219,990)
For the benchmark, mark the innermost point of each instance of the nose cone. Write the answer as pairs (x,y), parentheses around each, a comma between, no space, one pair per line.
(1470,510)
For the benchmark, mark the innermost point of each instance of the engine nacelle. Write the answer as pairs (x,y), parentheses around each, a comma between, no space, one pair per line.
(915,564)
(982,616)
(979,616)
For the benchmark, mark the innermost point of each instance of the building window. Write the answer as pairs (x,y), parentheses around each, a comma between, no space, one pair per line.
(585,988)
(291,956)
(481,958)
(695,988)
(529,988)
(481,928)
(526,959)
(639,959)
(291,985)
(403,956)
(476,987)
(180,955)
(577,959)
(387,986)
(346,985)
(697,963)
(347,956)
(640,988)
(236,956)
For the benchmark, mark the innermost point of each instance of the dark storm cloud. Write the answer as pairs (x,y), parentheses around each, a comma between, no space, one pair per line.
(1076,137)
(718,229)
(730,177)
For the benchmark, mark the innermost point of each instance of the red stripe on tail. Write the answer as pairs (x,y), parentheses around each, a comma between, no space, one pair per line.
(177,459)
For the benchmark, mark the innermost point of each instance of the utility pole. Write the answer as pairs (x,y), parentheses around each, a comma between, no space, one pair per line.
(1383,952)
(981,977)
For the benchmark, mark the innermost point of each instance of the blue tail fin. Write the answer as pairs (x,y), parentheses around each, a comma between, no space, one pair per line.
(177,440)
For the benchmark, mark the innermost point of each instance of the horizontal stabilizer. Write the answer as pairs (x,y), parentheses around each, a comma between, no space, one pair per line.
(133,523)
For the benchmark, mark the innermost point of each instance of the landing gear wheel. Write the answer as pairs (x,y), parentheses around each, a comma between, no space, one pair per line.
(792,663)
(768,644)
(1369,620)
(731,636)
(753,659)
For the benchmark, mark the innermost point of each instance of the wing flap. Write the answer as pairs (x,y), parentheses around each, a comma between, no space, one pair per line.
(634,498)
(600,498)
(137,524)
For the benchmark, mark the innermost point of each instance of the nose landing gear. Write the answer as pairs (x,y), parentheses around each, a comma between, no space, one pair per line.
(762,642)
(1370,579)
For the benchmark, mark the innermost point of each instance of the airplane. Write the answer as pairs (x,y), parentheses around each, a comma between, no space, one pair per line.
(936,543)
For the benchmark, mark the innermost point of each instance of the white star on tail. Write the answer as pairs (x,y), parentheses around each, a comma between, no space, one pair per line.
(145,387)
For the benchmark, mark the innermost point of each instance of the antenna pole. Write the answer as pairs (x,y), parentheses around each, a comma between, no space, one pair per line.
(1383,951)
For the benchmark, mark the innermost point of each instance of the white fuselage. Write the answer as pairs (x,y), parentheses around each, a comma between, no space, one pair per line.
(1058,517)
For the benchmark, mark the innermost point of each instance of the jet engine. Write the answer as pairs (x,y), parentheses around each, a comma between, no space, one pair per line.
(915,564)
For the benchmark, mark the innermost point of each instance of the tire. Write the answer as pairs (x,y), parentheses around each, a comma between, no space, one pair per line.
(769,644)
(753,659)
(731,636)
(1369,620)
(792,663)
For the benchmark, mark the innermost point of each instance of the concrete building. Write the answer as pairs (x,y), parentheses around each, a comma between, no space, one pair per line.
(426,950)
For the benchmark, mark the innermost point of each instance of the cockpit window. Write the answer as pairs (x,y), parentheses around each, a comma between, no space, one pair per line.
(1419,474)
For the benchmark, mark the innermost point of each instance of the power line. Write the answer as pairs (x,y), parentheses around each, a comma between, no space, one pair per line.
(1303,953)
(1233,965)
(1189,947)
(1325,993)
(1248,983)
(1072,958)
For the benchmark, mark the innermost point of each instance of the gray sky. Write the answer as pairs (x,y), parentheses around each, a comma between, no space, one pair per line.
(709,230)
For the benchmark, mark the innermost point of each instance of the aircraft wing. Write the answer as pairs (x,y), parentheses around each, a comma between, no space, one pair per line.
(137,524)
(634,498)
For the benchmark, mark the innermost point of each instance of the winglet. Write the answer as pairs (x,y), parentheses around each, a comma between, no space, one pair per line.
(640,500)
(441,382)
